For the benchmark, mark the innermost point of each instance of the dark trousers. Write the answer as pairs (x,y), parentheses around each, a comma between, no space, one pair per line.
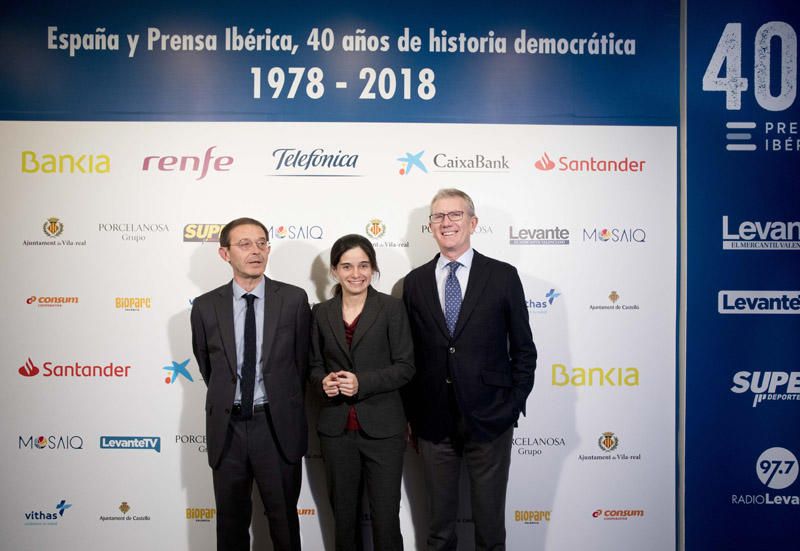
(352,461)
(487,465)
(251,453)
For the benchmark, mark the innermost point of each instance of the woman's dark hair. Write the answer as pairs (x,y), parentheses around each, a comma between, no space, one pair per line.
(344,244)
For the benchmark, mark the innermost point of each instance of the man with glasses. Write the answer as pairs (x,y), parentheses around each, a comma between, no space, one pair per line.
(475,361)
(251,338)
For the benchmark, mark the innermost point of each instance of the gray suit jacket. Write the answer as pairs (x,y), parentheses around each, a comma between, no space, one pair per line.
(381,356)
(285,354)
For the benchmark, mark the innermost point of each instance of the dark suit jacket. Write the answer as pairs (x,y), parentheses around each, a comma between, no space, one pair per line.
(490,359)
(381,356)
(285,362)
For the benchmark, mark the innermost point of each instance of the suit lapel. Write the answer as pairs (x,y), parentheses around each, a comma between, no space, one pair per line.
(223,306)
(336,323)
(369,314)
(273,305)
(478,278)
(431,295)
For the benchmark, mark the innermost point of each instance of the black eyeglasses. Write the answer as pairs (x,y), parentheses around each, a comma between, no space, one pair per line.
(453,216)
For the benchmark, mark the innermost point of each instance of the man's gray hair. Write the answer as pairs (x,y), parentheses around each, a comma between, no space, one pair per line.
(453,192)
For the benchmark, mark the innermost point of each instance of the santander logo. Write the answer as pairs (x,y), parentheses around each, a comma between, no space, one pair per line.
(29,369)
(544,163)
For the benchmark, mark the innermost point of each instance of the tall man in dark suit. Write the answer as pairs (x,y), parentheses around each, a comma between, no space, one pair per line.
(251,338)
(475,362)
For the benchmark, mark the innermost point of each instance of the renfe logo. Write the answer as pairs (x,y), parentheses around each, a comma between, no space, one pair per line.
(758,302)
(773,235)
(188,163)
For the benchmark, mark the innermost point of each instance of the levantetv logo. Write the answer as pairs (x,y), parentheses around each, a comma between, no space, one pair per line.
(131,443)
(758,302)
(758,235)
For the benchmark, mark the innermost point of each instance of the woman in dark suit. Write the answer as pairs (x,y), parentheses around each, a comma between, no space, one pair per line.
(361,354)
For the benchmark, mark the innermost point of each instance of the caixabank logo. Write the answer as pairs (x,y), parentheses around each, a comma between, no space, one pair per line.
(760,235)
(412,163)
(777,387)
(474,162)
(594,377)
(589,164)
(48,369)
(776,468)
(50,517)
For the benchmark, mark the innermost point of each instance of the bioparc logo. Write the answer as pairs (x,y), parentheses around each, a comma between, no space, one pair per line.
(51,302)
(533,517)
(776,468)
(618,514)
(133,304)
(757,235)
(61,442)
(412,161)
(75,369)
(200,514)
(758,302)
(591,164)
(542,306)
(131,443)
(191,164)
(47,518)
(768,386)
(317,162)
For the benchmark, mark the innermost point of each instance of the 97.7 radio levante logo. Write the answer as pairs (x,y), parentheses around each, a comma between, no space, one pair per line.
(776,468)
(774,85)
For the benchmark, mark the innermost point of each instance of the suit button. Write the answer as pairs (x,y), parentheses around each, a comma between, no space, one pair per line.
(452,349)
(448,380)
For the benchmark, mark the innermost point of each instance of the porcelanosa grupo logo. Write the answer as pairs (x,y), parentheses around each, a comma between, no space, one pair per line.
(110,370)
(298,162)
(776,468)
(135,232)
(589,164)
(535,445)
(411,161)
(773,235)
(768,386)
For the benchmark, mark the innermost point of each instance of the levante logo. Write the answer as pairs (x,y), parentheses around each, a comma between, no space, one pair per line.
(757,235)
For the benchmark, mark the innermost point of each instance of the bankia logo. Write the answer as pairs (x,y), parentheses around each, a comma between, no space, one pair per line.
(110,370)
(589,164)
(34,162)
(758,302)
(131,443)
(192,164)
(61,442)
(768,386)
(316,162)
(614,235)
(50,302)
(296,231)
(47,518)
(563,376)
(470,162)
(776,468)
(411,161)
(773,235)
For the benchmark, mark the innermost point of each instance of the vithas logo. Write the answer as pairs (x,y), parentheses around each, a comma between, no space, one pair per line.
(29,369)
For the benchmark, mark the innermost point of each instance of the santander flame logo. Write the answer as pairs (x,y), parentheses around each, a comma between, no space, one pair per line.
(544,163)
(29,369)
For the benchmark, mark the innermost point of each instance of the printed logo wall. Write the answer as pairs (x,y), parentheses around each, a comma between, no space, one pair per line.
(742,385)
(122,164)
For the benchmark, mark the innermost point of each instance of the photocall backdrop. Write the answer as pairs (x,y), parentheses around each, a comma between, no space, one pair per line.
(123,163)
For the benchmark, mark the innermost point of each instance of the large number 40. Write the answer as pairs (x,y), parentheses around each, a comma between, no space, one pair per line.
(729,53)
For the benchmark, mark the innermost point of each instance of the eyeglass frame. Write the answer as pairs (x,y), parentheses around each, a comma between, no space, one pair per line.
(453,216)
(247,245)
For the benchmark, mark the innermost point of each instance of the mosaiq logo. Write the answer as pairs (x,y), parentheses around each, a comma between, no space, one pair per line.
(614,235)
(61,442)
(774,235)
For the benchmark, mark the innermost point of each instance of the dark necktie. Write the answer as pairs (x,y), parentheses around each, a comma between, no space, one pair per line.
(249,363)
(452,297)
